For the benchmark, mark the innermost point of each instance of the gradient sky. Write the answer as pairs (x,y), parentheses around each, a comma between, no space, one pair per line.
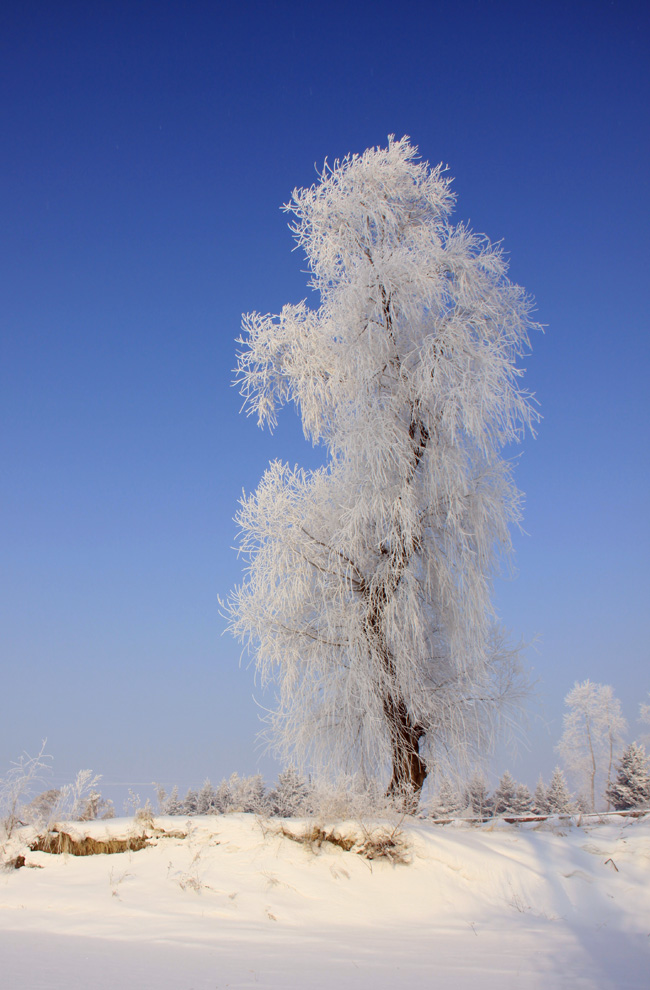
(146,149)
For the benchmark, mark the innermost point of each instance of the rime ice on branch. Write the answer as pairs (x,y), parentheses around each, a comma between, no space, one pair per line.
(368,592)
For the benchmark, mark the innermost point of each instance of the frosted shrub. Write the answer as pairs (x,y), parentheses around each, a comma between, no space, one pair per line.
(19,806)
(77,801)
(16,789)
(350,796)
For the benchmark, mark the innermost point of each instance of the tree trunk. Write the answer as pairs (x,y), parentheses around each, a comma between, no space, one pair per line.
(409,769)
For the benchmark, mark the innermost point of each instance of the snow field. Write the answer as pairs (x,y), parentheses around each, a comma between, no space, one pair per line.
(233,904)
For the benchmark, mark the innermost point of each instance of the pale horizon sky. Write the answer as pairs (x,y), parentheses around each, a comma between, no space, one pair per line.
(146,153)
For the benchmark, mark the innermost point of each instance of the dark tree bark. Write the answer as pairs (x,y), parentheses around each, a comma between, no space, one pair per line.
(409,769)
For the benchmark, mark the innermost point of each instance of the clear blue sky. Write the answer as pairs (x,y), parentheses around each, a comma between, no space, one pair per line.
(146,149)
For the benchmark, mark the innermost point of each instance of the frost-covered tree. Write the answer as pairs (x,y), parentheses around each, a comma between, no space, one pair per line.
(511,798)
(558,796)
(243,794)
(446,801)
(290,796)
(631,789)
(593,736)
(368,592)
(503,799)
(206,802)
(171,805)
(223,798)
(477,797)
(523,802)
(250,795)
(540,798)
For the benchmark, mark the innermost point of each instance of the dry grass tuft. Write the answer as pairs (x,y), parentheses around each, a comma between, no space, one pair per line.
(371,843)
(384,842)
(62,842)
(314,836)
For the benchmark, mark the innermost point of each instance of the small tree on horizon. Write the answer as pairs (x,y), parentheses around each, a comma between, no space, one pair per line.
(367,597)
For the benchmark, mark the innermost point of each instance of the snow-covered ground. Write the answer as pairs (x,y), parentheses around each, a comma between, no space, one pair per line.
(231,904)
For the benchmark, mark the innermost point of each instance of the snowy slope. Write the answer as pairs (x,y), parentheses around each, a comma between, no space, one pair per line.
(231,904)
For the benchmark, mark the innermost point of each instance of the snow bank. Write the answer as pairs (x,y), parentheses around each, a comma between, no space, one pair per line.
(227,901)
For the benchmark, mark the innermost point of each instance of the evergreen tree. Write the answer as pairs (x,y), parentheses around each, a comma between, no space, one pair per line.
(631,789)
(447,801)
(223,798)
(558,796)
(190,804)
(504,796)
(171,805)
(523,800)
(250,796)
(206,802)
(290,796)
(540,798)
(477,797)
